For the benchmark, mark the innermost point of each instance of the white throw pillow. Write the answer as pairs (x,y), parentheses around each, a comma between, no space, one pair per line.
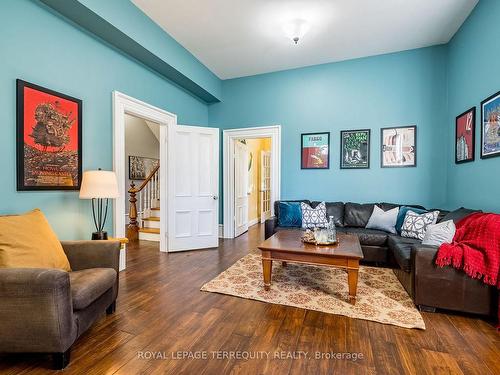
(313,217)
(383,220)
(415,225)
(438,234)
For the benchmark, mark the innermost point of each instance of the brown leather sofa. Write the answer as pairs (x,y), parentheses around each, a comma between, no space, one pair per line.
(430,286)
(46,310)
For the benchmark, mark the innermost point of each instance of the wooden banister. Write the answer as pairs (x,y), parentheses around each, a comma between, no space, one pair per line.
(133,227)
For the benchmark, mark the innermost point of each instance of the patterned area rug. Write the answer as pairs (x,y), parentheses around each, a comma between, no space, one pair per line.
(380,296)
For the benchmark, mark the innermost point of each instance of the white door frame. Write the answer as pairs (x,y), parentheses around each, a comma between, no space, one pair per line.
(229,137)
(124,104)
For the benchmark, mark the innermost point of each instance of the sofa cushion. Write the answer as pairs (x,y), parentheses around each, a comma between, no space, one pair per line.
(290,214)
(369,237)
(357,215)
(277,206)
(403,210)
(383,220)
(335,209)
(313,217)
(89,284)
(415,225)
(459,214)
(401,249)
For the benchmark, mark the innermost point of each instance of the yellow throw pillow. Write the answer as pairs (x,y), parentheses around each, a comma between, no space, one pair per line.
(28,241)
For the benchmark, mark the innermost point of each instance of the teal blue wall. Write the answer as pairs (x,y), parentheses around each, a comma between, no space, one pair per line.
(41,47)
(474,74)
(389,90)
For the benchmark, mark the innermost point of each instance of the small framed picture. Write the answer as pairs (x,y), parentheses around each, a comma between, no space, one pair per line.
(315,150)
(49,139)
(355,149)
(139,168)
(490,126)
(465,125)
(398,147)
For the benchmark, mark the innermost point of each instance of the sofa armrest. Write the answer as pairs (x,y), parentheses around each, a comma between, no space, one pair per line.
(270,227)
(447,287)
(92,254)
(36,312)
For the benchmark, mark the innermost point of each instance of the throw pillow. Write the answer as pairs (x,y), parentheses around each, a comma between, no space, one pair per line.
(290,214)
(402,214)
(313,217)
(438,234)
(28,241)
(415,225)
(383,220)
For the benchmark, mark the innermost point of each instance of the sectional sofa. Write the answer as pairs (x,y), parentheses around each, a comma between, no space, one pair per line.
(430,287)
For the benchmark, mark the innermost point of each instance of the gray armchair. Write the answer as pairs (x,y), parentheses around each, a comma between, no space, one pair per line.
(46,310)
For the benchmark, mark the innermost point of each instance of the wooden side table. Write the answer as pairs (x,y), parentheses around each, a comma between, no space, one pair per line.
(123,251)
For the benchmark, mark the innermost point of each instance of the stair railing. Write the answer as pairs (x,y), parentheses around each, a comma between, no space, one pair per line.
(142,200)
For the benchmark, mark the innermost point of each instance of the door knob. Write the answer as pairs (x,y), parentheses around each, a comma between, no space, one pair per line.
(215,197)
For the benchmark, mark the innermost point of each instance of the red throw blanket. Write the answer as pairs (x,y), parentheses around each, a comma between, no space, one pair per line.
(475,248)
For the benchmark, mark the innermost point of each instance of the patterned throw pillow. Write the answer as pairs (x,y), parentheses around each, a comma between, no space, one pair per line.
(313,217)
(415,225)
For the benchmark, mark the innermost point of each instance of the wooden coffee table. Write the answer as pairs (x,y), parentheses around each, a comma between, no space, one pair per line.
(287,246)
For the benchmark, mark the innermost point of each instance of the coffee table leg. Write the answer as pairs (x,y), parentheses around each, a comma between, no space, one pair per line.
(267,266)
(352,275)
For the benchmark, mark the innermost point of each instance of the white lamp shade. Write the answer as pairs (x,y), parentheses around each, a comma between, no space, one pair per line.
(99,184)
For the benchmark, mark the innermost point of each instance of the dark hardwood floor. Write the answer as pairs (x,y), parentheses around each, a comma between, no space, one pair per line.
(161,312)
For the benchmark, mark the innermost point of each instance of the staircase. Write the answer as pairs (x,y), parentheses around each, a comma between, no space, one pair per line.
(144,212)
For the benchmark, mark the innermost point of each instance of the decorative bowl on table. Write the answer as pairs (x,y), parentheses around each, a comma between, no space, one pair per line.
(317,237)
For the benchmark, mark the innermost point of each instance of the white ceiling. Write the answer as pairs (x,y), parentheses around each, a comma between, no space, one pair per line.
(236,38)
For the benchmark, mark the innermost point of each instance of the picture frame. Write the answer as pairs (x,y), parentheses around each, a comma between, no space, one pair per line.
(139,167)
(355,149)
(465,136)
(315,150)
(48,139)
(490,126)
(398,147)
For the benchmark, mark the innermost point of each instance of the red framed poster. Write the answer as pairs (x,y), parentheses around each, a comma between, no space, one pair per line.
(315,150)
(49,139)
(465,126)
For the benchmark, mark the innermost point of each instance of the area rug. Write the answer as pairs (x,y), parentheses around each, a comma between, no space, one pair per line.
(380,296)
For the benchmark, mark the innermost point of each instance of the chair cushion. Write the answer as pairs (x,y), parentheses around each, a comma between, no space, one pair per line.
(371,237)
(401,249)
(28,241)
(357,215)
(88,285)
(335,209)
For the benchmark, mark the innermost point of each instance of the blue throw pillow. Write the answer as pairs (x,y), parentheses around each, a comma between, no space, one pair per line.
(290,214)
(402,214)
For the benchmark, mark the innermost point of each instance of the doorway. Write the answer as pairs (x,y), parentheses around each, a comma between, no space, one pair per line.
(252,162)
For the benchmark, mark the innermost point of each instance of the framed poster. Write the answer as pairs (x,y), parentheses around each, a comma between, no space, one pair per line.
(490,126)
(139,168)
(49,139)
(355,149)
(315,150)
(465,136)
(398,147)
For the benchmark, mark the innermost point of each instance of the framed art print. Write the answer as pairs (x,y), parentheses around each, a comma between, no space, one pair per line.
(355,149)
(49,139)
(398,147)
(139,168)
(490,126)
(315,150)
(465,136)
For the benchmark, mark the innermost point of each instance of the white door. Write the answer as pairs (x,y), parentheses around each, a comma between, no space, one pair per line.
(265,186)
(193,187)
(240,188)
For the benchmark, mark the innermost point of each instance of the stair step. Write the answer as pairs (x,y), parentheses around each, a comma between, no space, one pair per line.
(155,208)
(152,218)
(150,230)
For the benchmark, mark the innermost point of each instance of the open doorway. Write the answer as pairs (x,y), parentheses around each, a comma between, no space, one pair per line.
(252,182)
(142,180)
(251,158)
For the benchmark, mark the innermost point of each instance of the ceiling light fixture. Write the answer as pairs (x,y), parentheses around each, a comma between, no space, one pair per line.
(296,29)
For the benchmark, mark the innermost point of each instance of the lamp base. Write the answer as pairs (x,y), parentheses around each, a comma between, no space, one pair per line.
(100,235)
